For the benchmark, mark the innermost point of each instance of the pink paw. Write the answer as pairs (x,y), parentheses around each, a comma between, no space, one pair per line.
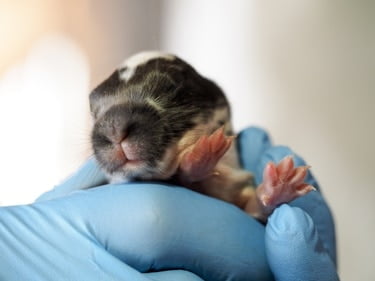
(282,183)
(199,163)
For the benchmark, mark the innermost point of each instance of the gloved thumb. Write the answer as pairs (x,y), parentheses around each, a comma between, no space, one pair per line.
(293,248)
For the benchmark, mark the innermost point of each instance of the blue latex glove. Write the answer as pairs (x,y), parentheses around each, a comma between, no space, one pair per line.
(120,232)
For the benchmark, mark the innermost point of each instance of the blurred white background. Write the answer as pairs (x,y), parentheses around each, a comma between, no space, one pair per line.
(302,69)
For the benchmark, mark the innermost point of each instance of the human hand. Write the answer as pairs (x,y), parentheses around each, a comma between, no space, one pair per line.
(300,237)
(117,231)
(56,238)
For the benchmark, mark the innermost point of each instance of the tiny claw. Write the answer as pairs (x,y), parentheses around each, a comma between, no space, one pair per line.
(265,200)
(288,158)
(311,188)
(298,175)
(218,133)
(304,189)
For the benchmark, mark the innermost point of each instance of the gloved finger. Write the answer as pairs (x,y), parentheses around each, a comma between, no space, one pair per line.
(251,144)
(47,241)
(173,275)
(109,267)
(113,269)
(313,203)
(293,247)
(153,227)
(88,175)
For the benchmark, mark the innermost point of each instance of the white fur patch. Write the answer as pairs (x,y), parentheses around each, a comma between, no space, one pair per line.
(131,64)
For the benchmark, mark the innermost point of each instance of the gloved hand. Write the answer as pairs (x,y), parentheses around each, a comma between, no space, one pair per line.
(119,232)
(300,237)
